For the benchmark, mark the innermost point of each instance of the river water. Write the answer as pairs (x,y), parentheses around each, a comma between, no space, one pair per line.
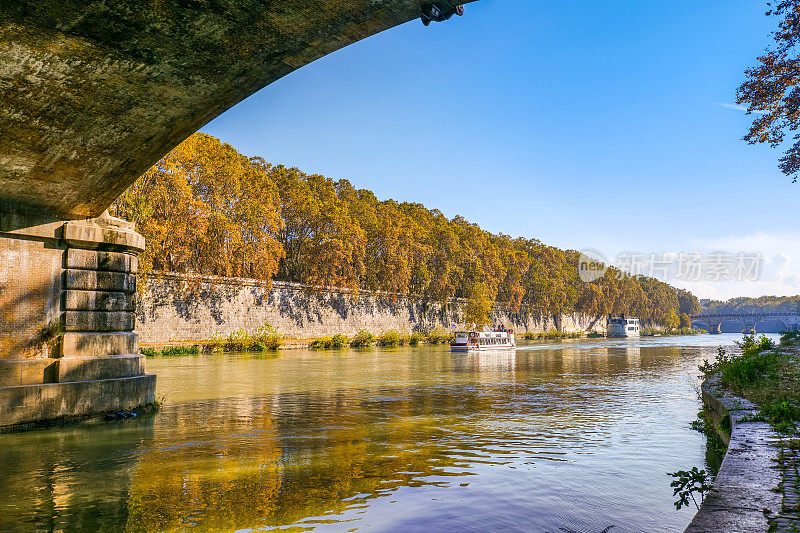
(559,436)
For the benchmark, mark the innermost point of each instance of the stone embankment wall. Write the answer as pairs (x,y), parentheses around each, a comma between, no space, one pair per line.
(745,495)
(174,308)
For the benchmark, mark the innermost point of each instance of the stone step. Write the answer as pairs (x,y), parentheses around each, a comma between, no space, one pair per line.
(75,300)
(82,344)
(89,368)
(15,372)
(91,280)
(100,260)
(35,403)
(99,321)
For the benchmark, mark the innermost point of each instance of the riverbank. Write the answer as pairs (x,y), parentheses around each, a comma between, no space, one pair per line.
(751,400)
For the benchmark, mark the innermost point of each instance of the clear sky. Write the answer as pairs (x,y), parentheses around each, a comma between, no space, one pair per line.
(585,124)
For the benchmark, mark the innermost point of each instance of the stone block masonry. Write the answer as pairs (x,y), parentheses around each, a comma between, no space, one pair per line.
(67,314)
(180,308)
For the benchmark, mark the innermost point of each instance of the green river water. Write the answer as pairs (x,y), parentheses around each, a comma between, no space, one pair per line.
(574,435)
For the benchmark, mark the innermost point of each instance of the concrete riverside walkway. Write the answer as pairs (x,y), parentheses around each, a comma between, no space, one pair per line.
(750,493)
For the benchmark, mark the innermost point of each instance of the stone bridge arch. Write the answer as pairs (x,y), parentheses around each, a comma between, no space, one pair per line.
(95,92)
(732,325)
(771,325)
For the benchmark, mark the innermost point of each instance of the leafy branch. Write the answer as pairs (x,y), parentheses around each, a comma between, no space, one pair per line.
(687,483)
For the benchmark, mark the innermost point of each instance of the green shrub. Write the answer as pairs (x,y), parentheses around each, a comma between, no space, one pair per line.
(438,335)
(265,338)
(337,341)
(170,351)
(416,338)
(748,370)
(214,345)
(782,415)
(754,366)
(238,341)
(362,338)
(751,346)
(320,343)
(177,351)
(393,337)
(553,334)
(790,337)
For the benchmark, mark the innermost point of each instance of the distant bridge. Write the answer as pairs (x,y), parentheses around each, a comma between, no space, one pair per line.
(738,322)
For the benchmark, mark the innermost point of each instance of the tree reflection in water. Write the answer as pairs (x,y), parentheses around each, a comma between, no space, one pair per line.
(526,440)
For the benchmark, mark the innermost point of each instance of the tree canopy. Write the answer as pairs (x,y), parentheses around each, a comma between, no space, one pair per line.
(771,91)
(207,209)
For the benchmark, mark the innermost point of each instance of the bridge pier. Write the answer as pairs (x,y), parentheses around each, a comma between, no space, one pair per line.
(67,308)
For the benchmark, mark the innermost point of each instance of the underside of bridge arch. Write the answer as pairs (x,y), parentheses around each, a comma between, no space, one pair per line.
(94,92)
(771,325)
(732,325)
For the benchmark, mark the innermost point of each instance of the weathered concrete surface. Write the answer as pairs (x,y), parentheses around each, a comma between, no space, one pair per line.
(96,91)
(745,495)
(91,368)
(27,371)
(33,403)
(176,308)
(98,344)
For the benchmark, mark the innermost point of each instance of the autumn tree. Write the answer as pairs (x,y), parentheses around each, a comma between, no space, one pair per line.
(771,92)
(671,320)
(686,321)
(688,302)
(479,306)
(207,209)
(323,245)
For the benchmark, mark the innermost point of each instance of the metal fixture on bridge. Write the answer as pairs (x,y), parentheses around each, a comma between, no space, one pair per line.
(440,11)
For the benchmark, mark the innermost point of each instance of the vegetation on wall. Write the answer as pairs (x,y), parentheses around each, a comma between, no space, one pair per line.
(207,209)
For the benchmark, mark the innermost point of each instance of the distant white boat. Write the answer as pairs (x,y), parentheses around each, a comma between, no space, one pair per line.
(622,326)
(499,339)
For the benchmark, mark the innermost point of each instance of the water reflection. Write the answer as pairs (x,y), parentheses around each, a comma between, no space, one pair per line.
(575,435)
(75,478)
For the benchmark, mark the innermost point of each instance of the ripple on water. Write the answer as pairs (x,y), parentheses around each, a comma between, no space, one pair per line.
(575,435)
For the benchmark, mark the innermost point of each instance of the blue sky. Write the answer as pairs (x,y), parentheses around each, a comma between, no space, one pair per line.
(580,123)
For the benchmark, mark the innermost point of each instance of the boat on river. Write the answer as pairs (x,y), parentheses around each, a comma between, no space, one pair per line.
(486,339)
(622,326)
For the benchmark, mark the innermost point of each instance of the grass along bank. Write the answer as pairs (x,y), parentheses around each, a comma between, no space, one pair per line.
(267,339)
(766,374)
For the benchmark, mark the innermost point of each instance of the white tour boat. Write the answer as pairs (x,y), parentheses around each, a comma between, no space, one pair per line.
(622,326)
(498,339)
